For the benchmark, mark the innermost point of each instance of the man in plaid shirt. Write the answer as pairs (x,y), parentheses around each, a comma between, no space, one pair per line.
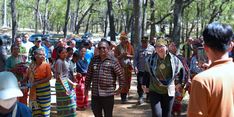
(103,72)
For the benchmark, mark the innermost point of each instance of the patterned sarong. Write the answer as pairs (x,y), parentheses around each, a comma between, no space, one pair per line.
(40,100)
(128,78)
(66,104)
(81,98)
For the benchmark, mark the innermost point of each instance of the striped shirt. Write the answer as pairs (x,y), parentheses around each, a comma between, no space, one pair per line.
(103,75)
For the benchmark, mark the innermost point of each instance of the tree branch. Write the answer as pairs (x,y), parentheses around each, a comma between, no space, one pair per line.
(160,21)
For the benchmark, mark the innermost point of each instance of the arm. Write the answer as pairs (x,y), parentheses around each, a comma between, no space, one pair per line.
(120,74)
(135,60)
(89,76)
(47,78)
(146,76)
(4,55)
(58,69)
(147,69)
(8,65)
(194,66)
(179,73)
(131,54)
(198,104)
(117,53)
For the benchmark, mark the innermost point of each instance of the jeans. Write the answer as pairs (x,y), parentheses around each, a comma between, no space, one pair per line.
(102,103)
(161,104)
(139,83)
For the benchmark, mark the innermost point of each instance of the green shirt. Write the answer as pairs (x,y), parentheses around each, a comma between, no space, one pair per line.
(22,50)
(164,73)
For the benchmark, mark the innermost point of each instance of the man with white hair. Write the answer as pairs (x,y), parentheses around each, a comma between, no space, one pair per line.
(73,45)
(9,91)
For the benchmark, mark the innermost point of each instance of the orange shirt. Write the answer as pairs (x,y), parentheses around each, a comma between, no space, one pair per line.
(43,71)
(212,92)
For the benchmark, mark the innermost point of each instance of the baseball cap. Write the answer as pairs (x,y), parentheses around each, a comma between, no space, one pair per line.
(144,38)
(9,86)
(38,39)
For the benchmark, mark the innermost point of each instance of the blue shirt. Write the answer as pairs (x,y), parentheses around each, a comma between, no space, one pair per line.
(82,66)
(22,111)
(89,55)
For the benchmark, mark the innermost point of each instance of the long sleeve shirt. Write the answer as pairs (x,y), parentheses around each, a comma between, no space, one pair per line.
(193,66)
(103,75)
(140,55)
(178,74)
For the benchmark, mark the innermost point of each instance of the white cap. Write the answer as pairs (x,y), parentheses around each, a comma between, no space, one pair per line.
(9,86)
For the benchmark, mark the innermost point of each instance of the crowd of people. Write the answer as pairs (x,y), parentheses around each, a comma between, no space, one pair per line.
(202,67)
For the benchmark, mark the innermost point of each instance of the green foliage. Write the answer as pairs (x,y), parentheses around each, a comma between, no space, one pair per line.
(198,11)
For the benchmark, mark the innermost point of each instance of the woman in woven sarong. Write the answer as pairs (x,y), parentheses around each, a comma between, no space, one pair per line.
(39,75)
(82,67)
(16,63)
(65,97)
(124,53)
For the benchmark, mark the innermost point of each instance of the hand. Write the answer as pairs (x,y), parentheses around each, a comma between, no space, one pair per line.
(86,92)
(205,65)
(136,70)
(68,92)
(145,89)
(29,85)
(178,87)
(125,54)
(79,75)
(118,91)
(74,84)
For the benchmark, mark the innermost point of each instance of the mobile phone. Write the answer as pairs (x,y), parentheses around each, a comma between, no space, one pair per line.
(201,55)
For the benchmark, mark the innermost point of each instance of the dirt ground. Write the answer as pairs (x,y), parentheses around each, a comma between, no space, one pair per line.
(130,109)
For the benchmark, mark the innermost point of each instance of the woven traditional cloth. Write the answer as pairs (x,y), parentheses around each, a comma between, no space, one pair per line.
(66,104)
(41,105)
(81,98)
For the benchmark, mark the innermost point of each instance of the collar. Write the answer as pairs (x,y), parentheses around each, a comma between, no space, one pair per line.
(107,57)
(221,61)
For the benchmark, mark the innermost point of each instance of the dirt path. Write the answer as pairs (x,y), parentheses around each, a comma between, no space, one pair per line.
(130,109)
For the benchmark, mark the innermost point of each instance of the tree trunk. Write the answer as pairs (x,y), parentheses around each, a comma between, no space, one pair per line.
(152,19)
(77,14)
(145,2)
(121,20)
(198,19)
(87,24)
(170,27)
(66,18)
(117,24)
(111,20)
(14,23)
(106,24)
(128,17)
(82,18)
(191,29)
(3,12)
(45,17)
(177,21)
(137,26)
(36,15)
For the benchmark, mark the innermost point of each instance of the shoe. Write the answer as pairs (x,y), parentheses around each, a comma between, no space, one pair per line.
(140,101)
(123,101)
(81,108)
(147,101)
